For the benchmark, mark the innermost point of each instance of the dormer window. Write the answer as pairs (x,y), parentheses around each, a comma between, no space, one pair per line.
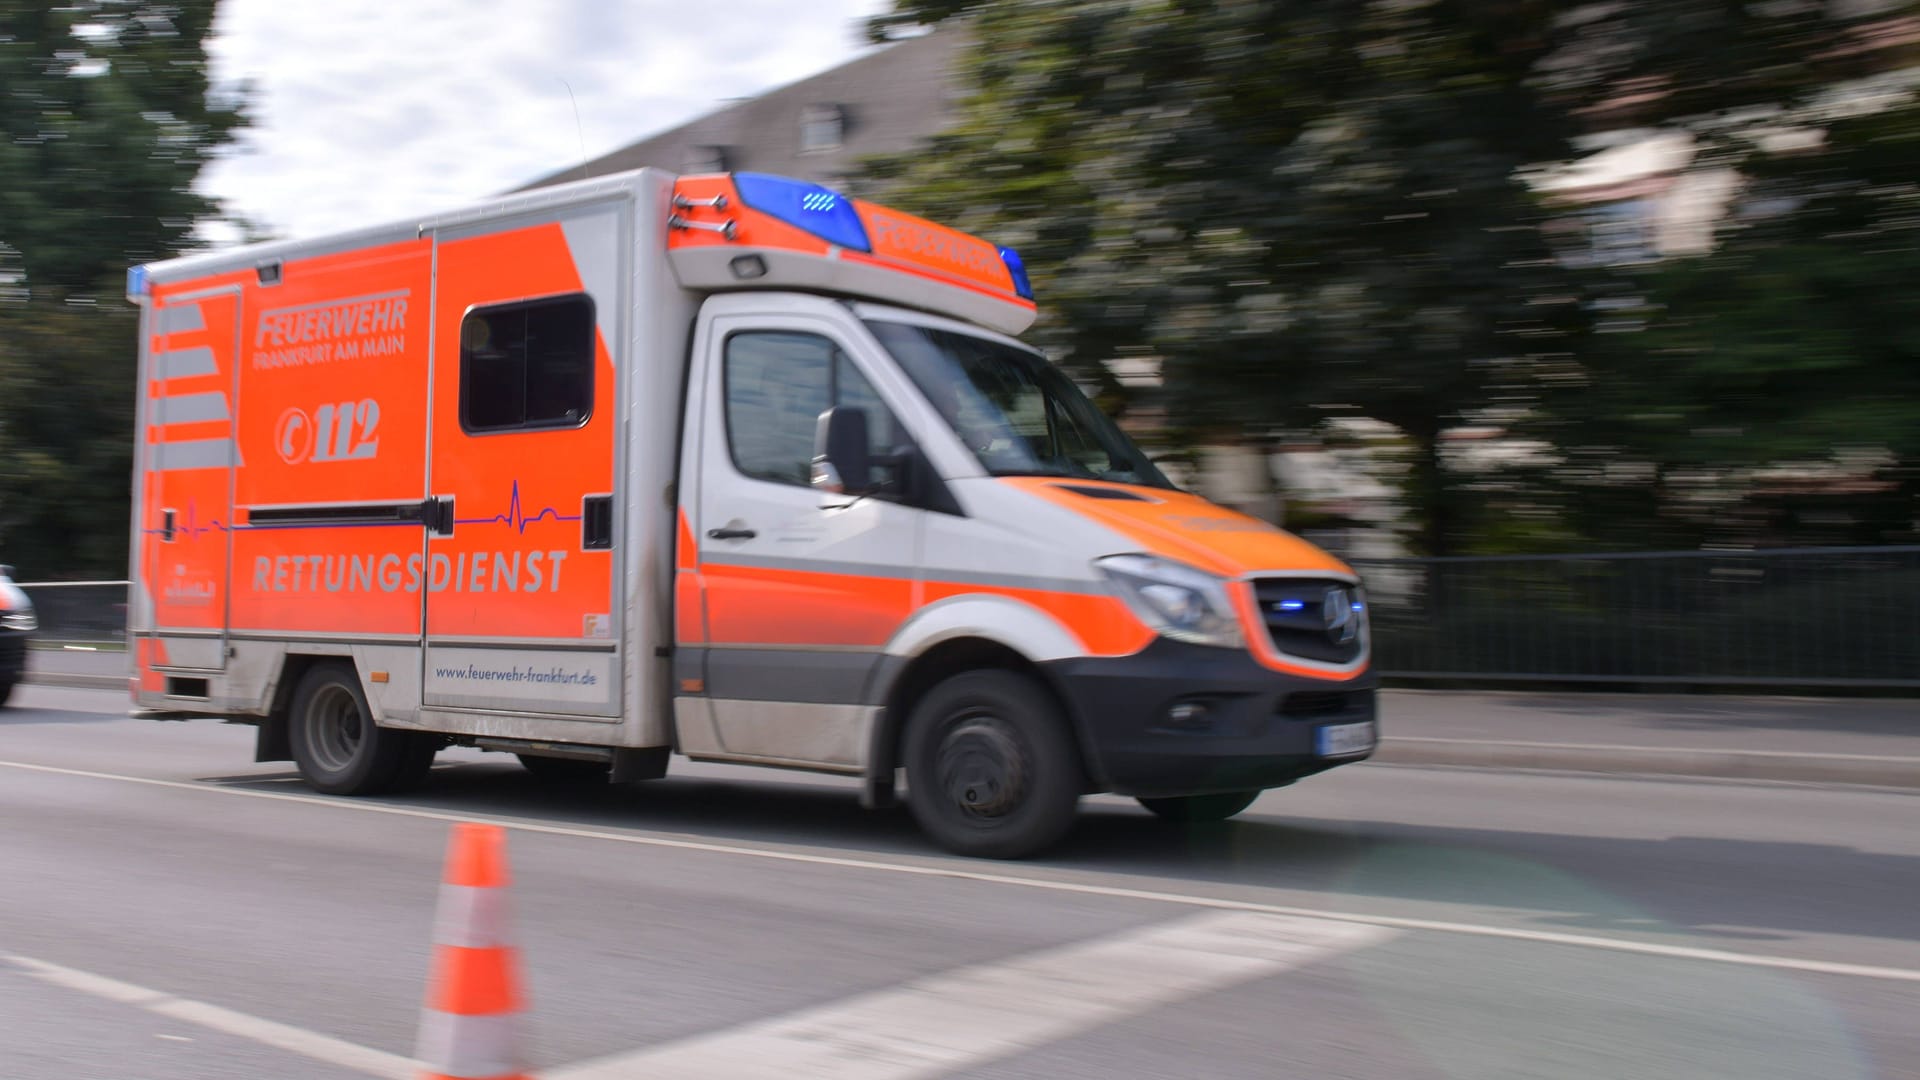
(821,128)
(705,159)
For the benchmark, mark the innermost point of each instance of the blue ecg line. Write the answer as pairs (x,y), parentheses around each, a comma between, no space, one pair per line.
(515,516)
(190,527)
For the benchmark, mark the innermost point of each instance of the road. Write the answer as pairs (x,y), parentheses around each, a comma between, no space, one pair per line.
(169,909)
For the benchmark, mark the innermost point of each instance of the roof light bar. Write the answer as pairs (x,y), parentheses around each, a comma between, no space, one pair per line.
(821,211)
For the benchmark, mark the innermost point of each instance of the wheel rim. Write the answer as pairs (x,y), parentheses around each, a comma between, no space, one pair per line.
(335,728)
(983,766)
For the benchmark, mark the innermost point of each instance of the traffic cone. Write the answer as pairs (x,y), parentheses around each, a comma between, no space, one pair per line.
(469,1026)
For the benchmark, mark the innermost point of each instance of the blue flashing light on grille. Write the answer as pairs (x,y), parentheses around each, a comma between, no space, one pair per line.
(1019,271)
(1293,605)
(826,214)
(1358,606)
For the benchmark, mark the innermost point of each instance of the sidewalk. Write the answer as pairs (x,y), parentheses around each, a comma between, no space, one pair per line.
(1811,740)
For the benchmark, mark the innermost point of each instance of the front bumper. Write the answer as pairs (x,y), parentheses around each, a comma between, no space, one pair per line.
(1254,728)
(13,655)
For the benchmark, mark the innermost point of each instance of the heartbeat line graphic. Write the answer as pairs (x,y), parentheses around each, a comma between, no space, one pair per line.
(516,515)
(190,527)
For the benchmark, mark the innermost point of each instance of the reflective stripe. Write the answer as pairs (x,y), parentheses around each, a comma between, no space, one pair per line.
(193,408)
(186,363)
(180,320)
(470,1047)
(791,675)
(471,917)
(195,454)
(907,573)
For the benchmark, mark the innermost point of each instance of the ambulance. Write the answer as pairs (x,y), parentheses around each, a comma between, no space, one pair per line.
(732,467)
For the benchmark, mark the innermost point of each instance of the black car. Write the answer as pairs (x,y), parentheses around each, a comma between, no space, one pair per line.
(17,624)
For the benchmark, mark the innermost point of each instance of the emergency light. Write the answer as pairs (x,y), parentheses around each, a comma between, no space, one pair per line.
(826,214)
(831,216)
(139,284)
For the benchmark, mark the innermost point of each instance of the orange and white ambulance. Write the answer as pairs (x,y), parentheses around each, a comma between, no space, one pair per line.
(731,466)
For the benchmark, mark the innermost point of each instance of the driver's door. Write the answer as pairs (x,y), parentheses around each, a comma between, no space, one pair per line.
(801,590)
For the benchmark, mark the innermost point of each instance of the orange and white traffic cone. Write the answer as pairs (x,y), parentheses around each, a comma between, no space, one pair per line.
(469,1027)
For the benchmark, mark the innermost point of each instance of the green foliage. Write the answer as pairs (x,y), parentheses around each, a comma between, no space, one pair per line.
(105,124)
(1774,393)
(66,427)
(1304,209)
(1311,209)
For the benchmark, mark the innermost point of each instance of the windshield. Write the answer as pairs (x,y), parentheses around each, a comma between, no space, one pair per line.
(1018,414)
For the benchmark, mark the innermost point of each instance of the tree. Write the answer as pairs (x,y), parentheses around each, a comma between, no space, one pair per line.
(1313,209)
(1305,209)
(105,124)
(1791,347)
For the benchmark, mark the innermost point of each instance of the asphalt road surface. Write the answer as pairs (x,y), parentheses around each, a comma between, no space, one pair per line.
(169,909)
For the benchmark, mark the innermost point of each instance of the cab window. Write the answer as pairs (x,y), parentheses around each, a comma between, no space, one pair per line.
(778,382)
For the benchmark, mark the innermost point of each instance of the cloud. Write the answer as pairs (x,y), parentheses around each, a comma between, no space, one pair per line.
(370,111)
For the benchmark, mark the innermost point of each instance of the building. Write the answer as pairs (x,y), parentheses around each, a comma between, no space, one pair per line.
(818,129)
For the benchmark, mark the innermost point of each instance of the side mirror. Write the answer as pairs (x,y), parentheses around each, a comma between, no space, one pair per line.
(841,462)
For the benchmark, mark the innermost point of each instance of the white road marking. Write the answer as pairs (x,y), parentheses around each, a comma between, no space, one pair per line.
(295,1040)
(963,1018)
(955,871)
(1784,755)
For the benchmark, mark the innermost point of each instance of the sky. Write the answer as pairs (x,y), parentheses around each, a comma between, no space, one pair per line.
(369,111)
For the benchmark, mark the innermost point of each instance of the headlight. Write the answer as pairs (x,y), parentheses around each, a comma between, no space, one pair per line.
(1180,602)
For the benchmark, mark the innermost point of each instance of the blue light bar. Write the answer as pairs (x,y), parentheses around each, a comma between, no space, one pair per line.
(1019,271)
(823,212)
(139,285)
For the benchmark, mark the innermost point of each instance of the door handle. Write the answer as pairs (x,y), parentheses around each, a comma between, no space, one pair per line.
(731,534)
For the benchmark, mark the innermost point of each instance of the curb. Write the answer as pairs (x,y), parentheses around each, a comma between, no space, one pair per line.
(74,681)
(1862,770)
(1855,769)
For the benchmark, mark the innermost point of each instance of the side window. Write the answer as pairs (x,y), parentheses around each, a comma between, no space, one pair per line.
(527,365)
(778,382)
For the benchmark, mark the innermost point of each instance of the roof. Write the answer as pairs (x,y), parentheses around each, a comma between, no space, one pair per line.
(888,101)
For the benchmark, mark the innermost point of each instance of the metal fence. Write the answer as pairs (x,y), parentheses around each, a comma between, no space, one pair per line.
(1815,617)
(79,612)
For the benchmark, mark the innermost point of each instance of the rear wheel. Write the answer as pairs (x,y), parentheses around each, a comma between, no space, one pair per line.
(991,769)
(1199,809)
(559,769)
(336,744)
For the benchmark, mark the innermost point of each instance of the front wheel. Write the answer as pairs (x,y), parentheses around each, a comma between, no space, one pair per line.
(1201,809)
(991,768)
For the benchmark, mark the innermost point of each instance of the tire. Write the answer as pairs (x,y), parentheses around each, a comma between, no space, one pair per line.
(991,768)
(564,770)
(335,742)
(1201,809)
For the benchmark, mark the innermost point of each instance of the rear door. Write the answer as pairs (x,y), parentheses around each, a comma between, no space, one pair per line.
(800,590)
(522,590)
(187,486)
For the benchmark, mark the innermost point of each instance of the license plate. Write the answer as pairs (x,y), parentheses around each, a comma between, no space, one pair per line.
(1344,740)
